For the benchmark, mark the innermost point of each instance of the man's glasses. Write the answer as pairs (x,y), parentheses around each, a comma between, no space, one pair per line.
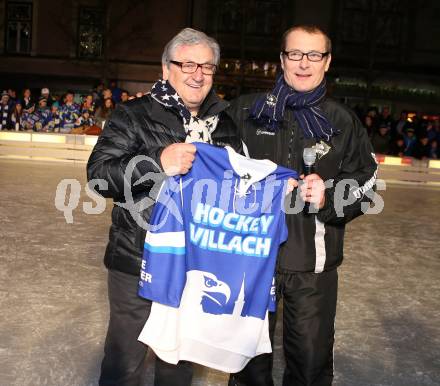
(313,56)
(191,67)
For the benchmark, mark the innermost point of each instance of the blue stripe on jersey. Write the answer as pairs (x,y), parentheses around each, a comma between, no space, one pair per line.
(167,249)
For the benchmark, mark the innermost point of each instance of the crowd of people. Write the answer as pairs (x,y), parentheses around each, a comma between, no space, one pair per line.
(60,114)
(406,136)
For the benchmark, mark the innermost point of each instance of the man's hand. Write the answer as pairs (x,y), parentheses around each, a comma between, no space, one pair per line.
(291,184)
(312,190)
(177,158)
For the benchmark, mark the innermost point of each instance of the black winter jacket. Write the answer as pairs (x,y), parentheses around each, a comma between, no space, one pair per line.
(315,242)
(142,127)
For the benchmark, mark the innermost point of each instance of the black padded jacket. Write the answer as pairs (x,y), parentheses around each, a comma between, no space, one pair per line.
(315,242)
(126,159)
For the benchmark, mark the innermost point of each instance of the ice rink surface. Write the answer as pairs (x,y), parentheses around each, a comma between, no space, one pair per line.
(53,288)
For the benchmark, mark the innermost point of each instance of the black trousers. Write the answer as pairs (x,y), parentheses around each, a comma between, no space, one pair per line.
(309,310)
(124,362)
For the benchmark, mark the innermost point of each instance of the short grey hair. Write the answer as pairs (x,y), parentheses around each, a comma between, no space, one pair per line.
(190,37)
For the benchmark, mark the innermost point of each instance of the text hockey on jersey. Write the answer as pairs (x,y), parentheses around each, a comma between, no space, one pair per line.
(217,240)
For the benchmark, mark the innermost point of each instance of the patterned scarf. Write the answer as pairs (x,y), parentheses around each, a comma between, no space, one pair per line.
(4,111)
(269,110)
(197,129)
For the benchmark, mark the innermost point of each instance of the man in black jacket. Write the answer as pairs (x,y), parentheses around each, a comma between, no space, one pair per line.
(279,126)
(142,137)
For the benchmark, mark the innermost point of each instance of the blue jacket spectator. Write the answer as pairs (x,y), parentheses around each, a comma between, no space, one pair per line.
(410,141)
(54,124)
(69,113)
(44,116)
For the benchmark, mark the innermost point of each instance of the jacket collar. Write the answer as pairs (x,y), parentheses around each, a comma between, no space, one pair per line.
(212,105)
(167,117)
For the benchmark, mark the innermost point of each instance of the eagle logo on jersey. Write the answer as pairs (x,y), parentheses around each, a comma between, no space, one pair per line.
(214,288)
(208,292)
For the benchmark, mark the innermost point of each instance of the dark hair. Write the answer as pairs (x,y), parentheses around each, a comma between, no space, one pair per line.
(111,103)
(309,28)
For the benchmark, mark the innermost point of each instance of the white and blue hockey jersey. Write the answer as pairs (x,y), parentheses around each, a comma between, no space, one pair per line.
(209,260)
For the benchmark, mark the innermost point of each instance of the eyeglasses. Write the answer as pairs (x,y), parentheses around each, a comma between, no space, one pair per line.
(313,56)
(191,67)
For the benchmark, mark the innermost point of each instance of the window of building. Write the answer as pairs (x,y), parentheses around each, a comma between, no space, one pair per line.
(248,29)
(364,20)
(19,27)
(262,16)
(90,32)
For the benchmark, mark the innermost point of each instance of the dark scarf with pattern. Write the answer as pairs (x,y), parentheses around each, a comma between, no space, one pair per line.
(269,109)
(197,129)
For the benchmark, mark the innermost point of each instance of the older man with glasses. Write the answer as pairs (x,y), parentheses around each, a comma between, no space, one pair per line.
(279,125)
(181,108)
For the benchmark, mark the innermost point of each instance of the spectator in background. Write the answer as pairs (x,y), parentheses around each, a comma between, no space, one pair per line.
(103,112)
(54,124)
(385,117)
(124,96)
(17,117)
(69,113)
(436,126)
(410,141)
(106,94)
(434,150)
(87,117)
(44,116)
(430,131)
(419,124)
(97,93)
(372,112)
(12,98)
(116,91)
(369,125)
(381,139)
(422,147)
(28,102)
(45,93)
(5,112)
(397,147)
(400,124)
(12,94)
(30,120)
(88,105)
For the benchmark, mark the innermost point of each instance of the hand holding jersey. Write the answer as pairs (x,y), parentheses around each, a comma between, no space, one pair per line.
(313,190)
(177,158)
(291,184)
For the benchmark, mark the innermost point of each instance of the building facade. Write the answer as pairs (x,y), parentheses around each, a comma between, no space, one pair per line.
(384,52)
